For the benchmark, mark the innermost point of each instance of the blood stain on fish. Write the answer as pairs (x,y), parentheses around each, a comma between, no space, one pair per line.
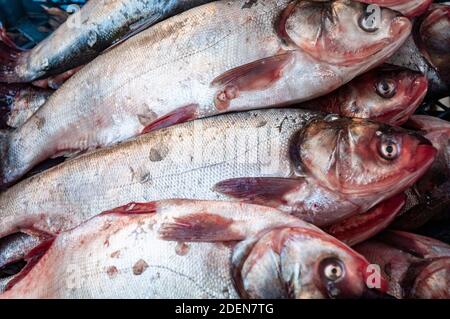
(139,267)
(112,271)
(115,254)
(182,249)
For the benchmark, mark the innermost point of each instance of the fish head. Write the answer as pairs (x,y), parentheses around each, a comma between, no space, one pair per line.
(300,263)
(345,33)
(388,94)
(433,39)
(361,159)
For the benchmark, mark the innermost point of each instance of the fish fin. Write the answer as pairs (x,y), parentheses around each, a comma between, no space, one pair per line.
(32,258)
(202,226)
(180,115)
(417,245)
(360,227)
(257,75)
(135,28)
(9,56)
(134,208)
(268,191)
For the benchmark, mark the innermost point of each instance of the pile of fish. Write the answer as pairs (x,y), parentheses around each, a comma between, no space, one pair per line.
(227,149)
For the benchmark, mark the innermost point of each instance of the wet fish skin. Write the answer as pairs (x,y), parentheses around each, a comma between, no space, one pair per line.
(387,94)
(193,249)
(87,33)
(19,102)
(430,197)
(428,43)
(14,247)
(193,159)
(415,266)
(145,83)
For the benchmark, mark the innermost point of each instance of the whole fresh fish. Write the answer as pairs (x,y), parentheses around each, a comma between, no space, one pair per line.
(415,266)
(428,49)
(192,249)
(18,102)
(321,169)
(387,94)
(88,32)
(220,57)
(430,196)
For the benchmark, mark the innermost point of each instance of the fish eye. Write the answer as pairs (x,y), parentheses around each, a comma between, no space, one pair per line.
(332,269)
(368,21)
(389,150)
(386,88)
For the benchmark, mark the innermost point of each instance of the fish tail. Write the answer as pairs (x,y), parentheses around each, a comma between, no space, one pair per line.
(9,59)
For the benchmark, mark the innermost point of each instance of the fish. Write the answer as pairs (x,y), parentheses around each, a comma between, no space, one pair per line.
(409,8)
(429,198)
(388,94)
(216,58)
(18,102)
(428,50)
(98,25)
(319,168)
(416,267)
(193,249)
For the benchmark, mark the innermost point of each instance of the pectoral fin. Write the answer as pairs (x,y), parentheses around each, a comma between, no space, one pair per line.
(203,226)
(257,75)
(267,191)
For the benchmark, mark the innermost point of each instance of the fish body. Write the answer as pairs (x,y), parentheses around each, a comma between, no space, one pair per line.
(87,33)
(195,65)
(192,249)
(387,94)
(264,157)
(415,266)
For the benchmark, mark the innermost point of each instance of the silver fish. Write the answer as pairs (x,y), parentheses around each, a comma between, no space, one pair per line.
(319,169)
(193,249)
(88,32)
(196,65)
